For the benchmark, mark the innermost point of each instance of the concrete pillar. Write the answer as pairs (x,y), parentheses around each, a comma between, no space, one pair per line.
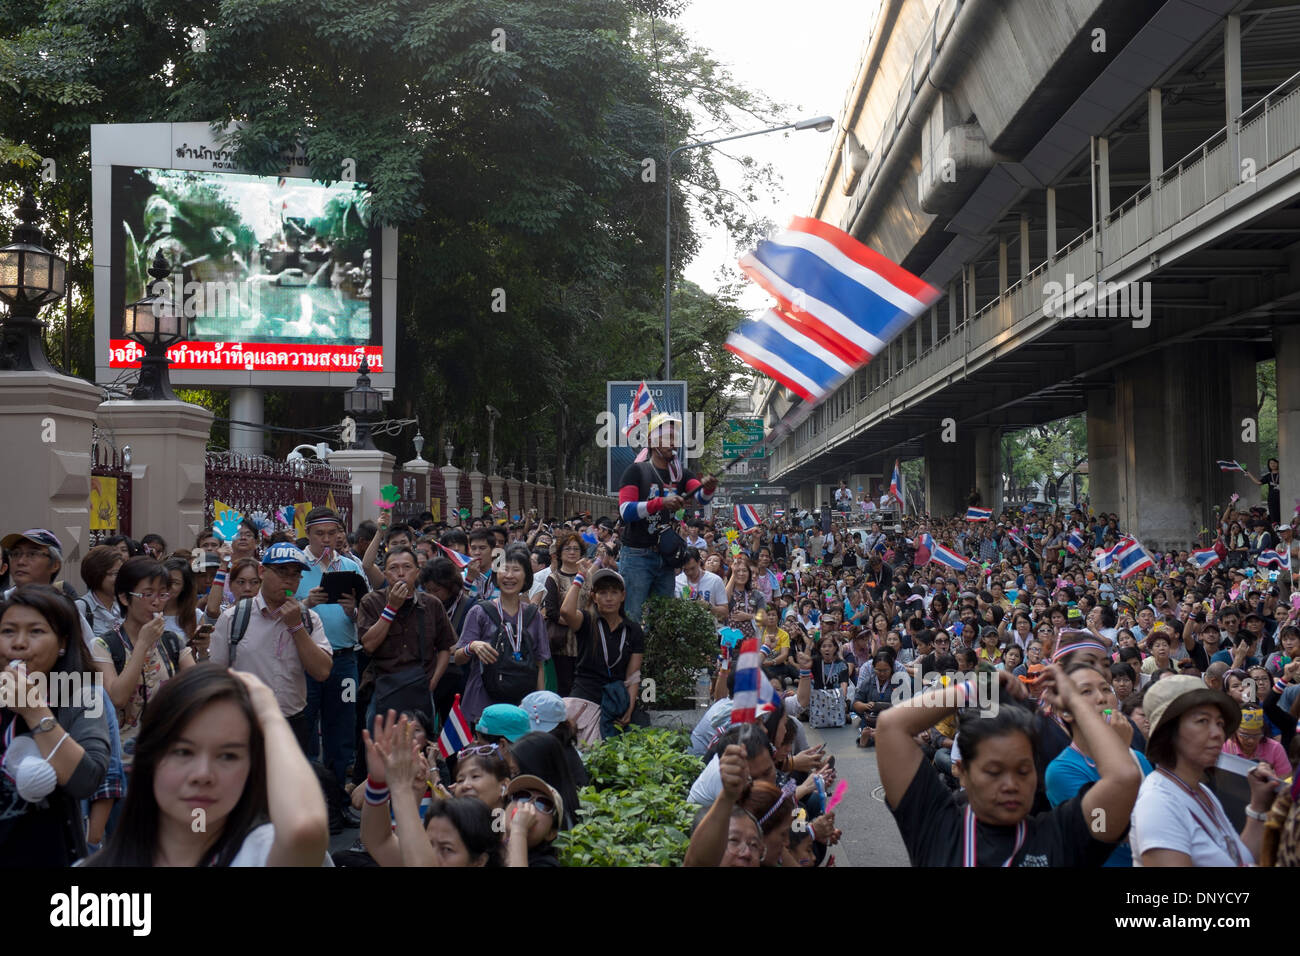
(1286,346)
(371,469)
(247,405)
(168,441)
(1155,137)
(1051,223)
(988,466)
(1232,85)
(952,309)
(1103,179)
(512,492)
(1238,360)
(949,473)
(45,422)
(476,493)
(496,485)
(1002,265)
(1024,246)
(1103,451)
(451,481)
(1170,428)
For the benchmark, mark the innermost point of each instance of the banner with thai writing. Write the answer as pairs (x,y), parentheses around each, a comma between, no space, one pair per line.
(124,353)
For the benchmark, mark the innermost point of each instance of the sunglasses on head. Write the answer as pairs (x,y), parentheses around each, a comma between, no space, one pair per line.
(479,750)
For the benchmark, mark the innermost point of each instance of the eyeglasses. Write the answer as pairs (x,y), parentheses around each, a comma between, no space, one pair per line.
(151,595)
(27,554)
(286,570)
(755,847)
(543,804)
(480,750)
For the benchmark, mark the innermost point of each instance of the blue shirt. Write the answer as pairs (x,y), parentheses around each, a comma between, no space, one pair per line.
(1069,773)
(339,628)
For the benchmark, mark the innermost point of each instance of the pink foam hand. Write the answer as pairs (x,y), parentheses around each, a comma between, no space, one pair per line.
(841,789)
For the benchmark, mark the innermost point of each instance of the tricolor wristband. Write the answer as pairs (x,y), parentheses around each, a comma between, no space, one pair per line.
(803,674)
(376,795)
(388,614)
(579,580)
(219,579)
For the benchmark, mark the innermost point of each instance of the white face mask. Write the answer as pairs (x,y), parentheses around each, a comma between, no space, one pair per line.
(33,777)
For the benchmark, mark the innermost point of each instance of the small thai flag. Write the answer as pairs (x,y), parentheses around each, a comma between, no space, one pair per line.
(948,557)
(1075,541)
(1016,538)
(753,692)
(1231,466)
(778,513)
(1133,558)
(896,484)
(460,560)
(924,550)
(642,406)
(978,514)
(746,517)
(455,734)
(1281,559)
(1205,558)
(1105,559)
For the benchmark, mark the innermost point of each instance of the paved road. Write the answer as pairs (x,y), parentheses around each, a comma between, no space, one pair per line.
(870,834)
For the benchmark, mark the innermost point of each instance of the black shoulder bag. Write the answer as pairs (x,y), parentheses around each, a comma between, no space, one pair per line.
(406,689)
(510,678)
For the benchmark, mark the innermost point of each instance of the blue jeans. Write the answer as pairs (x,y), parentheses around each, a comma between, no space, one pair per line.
(337,713)
(644,575)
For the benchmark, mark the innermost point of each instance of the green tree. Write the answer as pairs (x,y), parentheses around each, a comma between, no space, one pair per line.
(1045,455)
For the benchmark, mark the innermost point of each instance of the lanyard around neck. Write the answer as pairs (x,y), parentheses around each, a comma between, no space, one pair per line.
(1198,796)
(969,855)
(515,630)
(622,640)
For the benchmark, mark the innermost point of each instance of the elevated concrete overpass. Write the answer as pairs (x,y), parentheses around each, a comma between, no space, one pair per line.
(1014,153)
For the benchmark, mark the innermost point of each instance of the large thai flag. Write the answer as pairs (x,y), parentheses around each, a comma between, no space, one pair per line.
(1075,541)
(643,404)
(456,733)
(1016,538)
(1205,558)
(978,514)
(1132,558)
(753,693)
(746,517)
(1231,466)
(1281,559)
(838,304)
(947,556)
(1105,559)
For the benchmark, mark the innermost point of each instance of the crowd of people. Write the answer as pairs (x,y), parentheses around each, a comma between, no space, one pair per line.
(437,687)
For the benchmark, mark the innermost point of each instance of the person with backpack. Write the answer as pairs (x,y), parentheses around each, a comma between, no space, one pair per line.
(504,642)
(36,557)
(140,655)
(275,638)
(98,606)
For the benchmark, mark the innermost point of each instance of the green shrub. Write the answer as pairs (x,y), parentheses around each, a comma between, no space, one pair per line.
(635,813)
(680,638)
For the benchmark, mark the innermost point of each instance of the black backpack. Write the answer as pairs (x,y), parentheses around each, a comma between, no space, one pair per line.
(506,680)
(239,626)
(117,648)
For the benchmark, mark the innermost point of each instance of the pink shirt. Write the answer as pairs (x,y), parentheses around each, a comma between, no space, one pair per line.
(268,650)
(1269,751)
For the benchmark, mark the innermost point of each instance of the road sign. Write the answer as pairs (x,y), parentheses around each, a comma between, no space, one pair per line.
(742,433)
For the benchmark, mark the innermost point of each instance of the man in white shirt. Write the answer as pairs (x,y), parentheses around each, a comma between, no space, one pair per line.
(541,571)
(843,497)
(704,586)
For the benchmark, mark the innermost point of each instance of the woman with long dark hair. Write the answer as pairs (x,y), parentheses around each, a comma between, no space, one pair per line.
(540,755)
(56,745)
(1273,479)
(214,761)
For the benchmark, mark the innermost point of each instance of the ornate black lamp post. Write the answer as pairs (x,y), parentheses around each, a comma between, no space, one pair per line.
(31,277)
(364,404)
(153,323)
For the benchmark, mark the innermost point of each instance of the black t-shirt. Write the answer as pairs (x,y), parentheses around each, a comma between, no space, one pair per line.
(593,671)
(649,482)
(932,827)
(878,581)
(544,855)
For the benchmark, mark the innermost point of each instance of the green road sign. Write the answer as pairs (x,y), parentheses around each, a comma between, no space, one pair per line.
(741,433)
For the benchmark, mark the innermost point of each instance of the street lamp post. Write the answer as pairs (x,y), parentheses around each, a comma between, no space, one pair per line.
(31,277)
(363,404)
(819,123)
(153,323)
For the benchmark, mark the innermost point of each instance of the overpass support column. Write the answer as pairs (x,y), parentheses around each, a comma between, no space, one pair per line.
(949,472)
(988,466)
(1104,471)
(1286,346)
(1173,418)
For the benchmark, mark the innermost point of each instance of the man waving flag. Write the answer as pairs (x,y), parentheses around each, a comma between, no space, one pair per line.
(643,406)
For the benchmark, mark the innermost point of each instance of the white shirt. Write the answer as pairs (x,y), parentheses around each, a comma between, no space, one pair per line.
(256,848)
(539,582)
(709,586)
(1165,818)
